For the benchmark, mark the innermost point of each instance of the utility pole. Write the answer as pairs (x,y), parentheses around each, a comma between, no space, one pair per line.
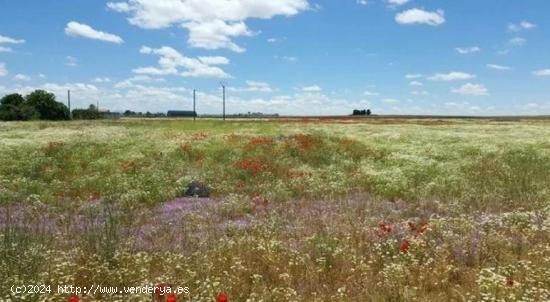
(194,104)
(223,88)
(69,103)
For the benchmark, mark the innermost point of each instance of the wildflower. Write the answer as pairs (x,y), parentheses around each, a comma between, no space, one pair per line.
(509,282)
(74,298)
(405,246)
(171,298)
(222,297)
(423,227)
(385,227)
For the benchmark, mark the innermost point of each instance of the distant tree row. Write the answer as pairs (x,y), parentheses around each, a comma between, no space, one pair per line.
(37,105)
(129,113)
(361,112)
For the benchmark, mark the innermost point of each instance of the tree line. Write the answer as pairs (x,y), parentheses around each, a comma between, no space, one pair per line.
(41,105)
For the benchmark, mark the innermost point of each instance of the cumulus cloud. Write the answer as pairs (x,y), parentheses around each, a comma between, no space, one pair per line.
(8,40)
(212,24)
(75,29)
(419,16)
(523,25)
(498,67)
(102,80)
(471,89)
(542,73)
(451,76)
(171,61)
(3,70)
(5,49)
(416,83)
(467,50)
(396,3)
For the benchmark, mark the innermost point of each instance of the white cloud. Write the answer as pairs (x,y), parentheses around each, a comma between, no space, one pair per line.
(102,80)
(212,24)
(290,59)
(3,70)
(313,88)
(395,3)
(413,76)
(71,61)
(132,82)
(370,93)
(517,27)
(171,60)
(416,83)
(75,29)
(471,89)
(21,77)
(452,76)
(363,2)
(5,49)
(517,41)
(542,73)
(216,34)
(499,67)
(419,92)
(419,16)
(214,60)
(468,50)
(8,40)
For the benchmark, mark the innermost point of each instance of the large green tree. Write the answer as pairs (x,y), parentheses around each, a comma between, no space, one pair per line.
(14,108)
(47,107)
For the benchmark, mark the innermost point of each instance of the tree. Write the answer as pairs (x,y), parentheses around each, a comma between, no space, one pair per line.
(13,108)
(86,114)
(47,107)
(369,112)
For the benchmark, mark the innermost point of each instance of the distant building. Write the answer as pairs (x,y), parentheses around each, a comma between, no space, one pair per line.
(181,113)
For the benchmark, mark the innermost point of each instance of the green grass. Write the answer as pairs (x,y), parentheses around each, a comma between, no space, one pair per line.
(295,211)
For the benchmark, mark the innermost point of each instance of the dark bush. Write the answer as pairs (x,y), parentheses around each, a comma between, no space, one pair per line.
(86,114)
(13,108)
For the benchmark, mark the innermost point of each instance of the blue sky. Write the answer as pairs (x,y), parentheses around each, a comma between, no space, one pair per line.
(323,57)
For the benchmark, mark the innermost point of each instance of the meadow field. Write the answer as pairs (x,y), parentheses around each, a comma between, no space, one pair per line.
(300,209)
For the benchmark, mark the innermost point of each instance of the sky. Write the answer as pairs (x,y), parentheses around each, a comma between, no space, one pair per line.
(292,57)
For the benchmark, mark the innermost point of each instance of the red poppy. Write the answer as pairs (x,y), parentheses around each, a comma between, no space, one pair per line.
(222,297)
(385,227)
(405,246)
(74,298)
(171,298)
(509,282)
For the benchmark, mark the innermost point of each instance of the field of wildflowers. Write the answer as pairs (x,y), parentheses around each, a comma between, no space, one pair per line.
(300,210)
